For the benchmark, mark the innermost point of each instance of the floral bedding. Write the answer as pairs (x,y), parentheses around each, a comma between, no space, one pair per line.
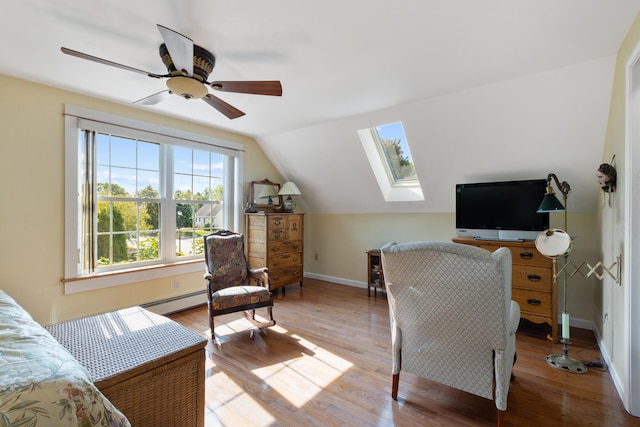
(41,384)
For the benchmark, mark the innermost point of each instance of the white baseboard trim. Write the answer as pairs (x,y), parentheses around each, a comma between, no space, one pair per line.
(338,280)
(175,304)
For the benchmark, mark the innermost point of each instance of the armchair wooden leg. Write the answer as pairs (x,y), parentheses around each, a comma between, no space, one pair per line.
(500,418)
(394,386)
(213,334)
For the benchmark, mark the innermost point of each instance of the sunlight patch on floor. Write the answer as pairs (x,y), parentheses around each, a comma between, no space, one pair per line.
(233,404)
(300,379)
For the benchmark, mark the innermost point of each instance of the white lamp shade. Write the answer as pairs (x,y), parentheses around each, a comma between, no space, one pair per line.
(268,191)
(289,189)
(553,243)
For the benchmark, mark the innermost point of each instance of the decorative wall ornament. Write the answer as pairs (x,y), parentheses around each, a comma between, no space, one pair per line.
(607,177)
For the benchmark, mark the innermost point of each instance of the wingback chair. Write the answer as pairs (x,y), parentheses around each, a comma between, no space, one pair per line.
(231,285)
(452,317)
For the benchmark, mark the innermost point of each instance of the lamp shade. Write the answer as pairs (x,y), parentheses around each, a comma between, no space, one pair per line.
(268,191)
(550,203)
(554,242)
(289,189)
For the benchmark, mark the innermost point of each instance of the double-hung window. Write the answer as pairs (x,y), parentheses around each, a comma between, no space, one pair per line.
(140,196)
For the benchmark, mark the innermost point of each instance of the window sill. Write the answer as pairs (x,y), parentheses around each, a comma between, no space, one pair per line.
(117,278)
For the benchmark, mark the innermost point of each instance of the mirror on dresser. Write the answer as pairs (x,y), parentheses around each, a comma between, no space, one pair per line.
(263,195)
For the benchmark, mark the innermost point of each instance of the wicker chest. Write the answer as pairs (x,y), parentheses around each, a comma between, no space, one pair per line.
(275,240)
(150,367)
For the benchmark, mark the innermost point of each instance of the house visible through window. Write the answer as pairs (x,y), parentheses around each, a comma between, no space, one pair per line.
(142,195)
(388,152)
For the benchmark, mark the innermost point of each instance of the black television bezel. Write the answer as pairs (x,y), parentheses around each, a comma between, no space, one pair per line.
(500,230)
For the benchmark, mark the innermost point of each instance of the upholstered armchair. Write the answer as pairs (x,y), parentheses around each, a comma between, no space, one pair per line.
(231,285)
(452,317)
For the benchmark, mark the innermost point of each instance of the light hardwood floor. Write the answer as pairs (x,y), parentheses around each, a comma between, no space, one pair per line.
(327,363)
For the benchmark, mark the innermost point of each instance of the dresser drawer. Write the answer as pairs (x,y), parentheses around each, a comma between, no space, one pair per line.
(284,276)
(529,255)
(528,277)
(277,221)
(284,260)
(533,301)
(284,246)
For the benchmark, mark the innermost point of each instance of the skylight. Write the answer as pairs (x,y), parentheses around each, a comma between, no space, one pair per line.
(388,152)
(392,142)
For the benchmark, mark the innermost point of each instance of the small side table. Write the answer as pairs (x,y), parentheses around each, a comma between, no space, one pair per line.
(375,275)
(150,367)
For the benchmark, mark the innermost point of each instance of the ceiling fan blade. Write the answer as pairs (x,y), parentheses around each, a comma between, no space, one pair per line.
(180,48)
(106,62)
(154,99)
(228,110)
(265,87)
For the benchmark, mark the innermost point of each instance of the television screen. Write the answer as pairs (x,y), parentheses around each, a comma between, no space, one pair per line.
(501,210)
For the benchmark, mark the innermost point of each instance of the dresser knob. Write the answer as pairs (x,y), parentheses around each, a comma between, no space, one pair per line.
(533,301)
(534,277)
(526,255)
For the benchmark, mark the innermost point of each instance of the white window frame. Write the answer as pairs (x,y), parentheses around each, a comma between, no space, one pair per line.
(393,191)
(77,118)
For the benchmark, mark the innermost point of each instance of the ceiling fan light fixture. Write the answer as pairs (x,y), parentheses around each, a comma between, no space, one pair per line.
(187,87)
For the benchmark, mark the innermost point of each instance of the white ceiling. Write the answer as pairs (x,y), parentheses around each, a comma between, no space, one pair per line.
(335,58)
(486,89)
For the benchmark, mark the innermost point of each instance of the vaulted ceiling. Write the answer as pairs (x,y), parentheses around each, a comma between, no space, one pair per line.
(483,87)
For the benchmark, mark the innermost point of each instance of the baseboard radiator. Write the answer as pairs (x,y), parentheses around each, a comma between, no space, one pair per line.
(178,303)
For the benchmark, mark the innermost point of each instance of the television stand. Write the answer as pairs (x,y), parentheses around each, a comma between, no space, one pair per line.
(532,286)
(499,239)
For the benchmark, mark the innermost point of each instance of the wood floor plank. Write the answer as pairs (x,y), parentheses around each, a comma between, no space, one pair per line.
(327,362)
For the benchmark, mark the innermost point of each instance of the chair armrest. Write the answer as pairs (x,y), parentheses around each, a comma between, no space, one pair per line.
(207,274)
(514,315)
(260,275)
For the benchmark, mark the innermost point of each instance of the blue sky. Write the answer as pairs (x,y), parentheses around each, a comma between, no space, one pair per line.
(395,131)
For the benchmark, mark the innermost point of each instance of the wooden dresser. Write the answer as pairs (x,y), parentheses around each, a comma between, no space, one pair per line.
(275,240)
(532,281)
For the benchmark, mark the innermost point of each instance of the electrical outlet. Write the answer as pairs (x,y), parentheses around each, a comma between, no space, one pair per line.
(176,285)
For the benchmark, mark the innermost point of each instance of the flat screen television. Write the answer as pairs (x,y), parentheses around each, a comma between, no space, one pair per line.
(503,210)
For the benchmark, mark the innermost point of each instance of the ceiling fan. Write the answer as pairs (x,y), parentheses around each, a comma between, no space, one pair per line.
(188,67)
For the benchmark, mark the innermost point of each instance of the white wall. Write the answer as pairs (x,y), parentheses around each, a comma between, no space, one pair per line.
(522,128)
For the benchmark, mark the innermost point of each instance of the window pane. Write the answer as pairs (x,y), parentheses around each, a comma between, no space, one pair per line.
(123,152)
(396,150)
(148,184)
(182,160)
(149,247)
(102,149)
(123,182)
(150,216)
(201,163)
(125,216)
(182,185)
(201,188)
(148,156)
(217,165)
